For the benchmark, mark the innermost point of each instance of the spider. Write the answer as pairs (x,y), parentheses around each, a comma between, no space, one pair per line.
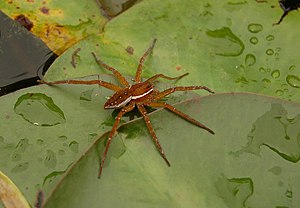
(139,95)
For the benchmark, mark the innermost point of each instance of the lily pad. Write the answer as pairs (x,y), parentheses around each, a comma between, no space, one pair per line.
(228,46)
(235,167)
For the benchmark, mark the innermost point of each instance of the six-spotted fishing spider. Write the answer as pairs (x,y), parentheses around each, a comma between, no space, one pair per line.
(139,95)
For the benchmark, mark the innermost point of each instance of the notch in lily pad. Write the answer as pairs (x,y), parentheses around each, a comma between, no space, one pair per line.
(39,109)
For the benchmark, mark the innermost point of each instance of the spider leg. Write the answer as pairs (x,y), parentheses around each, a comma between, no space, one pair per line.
(151,130)
(119,76)
(151,79)
(142,60)
(174,89)
(124,110)
(88,82)
(181,114)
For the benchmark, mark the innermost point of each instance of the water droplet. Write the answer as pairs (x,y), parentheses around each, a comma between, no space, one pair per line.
(92,137)
(74,146)
(255,28)
(254,40)
(86,95)
(234,190)
(289,194)
(262,69)
(22,145)
(20,167)
(63,138)
(50,159)
(269,52)
(39,141)
(270,38)
(279,92)
(275,74)
(39,109)
(225,42)
(266,81)
(49,178)
(291,68)
(240,68)
(250,60)
(276,170)
(293,81)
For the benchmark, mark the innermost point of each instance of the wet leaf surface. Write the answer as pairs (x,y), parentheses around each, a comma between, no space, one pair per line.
(228,46)
(235,167)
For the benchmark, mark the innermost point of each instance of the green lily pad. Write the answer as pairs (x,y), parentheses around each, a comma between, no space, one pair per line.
(228,46)
(255,147)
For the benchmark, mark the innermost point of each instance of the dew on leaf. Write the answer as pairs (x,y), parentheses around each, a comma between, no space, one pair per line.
(74,146)
(225,43)
(293,81)
(269,52)
(39,141)
(266,81)
(50,159)
(255,28)
(291,68)
(275,74)
(49,178)
(289,194)
(250,60)
(276,170)
(262,69)
(279,92)
(63,138)
(234,191)
(22,145)
(282,140)
(270,38)
(254,40)
(39,109)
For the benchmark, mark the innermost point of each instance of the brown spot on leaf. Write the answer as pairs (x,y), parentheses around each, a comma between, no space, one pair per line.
(44,10)
(130,50)
(24,21)
(178,68)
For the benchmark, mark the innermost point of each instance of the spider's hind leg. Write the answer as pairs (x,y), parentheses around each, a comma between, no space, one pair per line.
(181,114)
(151,131)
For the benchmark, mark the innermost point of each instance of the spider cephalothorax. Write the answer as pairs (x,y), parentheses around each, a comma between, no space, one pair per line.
(139,95)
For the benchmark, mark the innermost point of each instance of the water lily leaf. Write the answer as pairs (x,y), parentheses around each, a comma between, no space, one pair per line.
(228,45)
(59,24)
(255,147)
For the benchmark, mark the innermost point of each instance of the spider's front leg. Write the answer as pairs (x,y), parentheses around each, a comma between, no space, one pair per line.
(143,111)
(124,110)
(87,82)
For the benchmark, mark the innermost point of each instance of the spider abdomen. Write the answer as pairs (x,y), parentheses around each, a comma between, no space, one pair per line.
(124,96)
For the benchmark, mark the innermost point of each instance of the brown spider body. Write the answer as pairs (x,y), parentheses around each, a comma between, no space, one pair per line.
(139,95)
(135,93)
